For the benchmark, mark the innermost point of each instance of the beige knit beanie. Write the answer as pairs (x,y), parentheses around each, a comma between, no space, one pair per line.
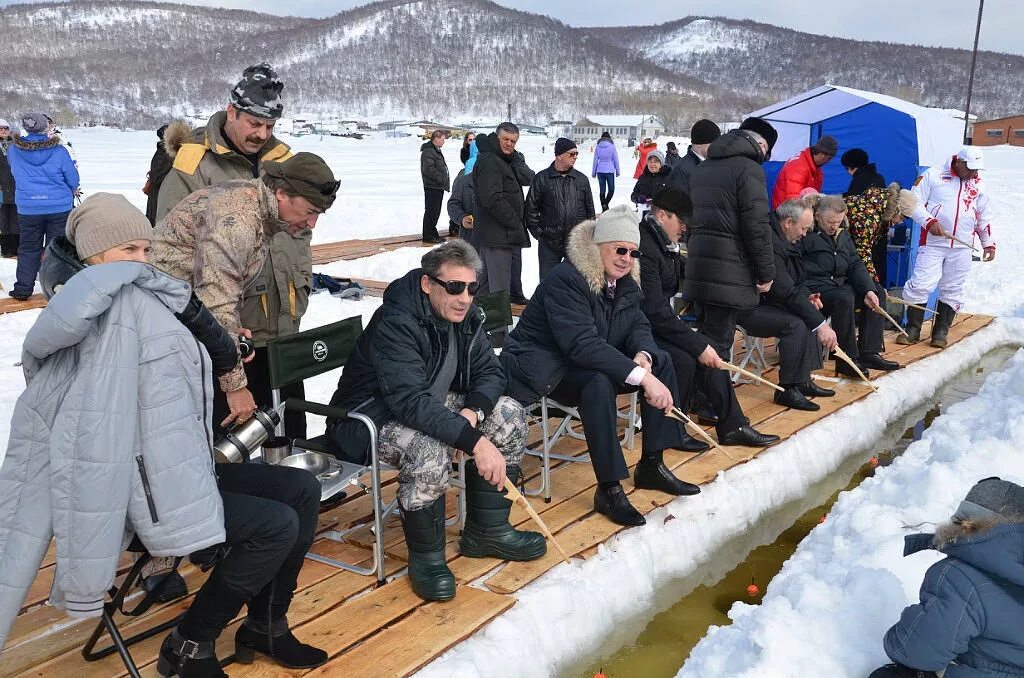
(105,220)
(617,225)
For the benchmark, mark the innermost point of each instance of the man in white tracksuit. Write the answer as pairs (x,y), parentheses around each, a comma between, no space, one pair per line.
(952,207)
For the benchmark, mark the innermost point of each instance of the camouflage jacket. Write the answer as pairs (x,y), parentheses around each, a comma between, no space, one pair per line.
(217,239)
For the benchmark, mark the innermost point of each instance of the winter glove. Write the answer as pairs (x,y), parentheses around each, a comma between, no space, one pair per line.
(988,253)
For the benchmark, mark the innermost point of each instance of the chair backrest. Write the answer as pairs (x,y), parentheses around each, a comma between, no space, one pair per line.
(497,310)
(312,352)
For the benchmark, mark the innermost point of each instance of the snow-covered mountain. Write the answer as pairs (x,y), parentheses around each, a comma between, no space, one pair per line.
(139,63)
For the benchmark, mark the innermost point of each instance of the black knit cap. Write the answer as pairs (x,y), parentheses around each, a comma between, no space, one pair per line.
(674,200)
(309,176)
(855,158)
(563,145)
(259,92)
(705,131)
(764,128)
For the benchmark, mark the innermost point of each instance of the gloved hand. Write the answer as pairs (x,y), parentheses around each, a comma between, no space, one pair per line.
(988,253)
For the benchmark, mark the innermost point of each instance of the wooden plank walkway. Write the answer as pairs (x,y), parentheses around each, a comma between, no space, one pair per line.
(388,631)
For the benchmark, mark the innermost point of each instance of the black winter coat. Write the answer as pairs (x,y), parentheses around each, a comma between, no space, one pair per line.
(729,246)
(433,168)
(683,170)
(649,185)
(396,359)
(499,183)
(864,178)
(556,202)
(159,166)
(833,262)
(61,262)
(571,322)
(790,288)
(6,180)
(661,276)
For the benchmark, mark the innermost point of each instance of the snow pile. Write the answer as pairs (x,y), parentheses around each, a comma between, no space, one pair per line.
(826,612)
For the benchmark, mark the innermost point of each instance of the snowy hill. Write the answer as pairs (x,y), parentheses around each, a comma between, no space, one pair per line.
(139,63)
(771,62)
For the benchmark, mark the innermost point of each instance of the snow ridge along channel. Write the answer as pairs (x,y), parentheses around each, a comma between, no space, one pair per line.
(566,614)
(826,612)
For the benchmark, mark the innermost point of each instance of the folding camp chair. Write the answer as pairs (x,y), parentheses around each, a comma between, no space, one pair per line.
(310,353)
(753,359)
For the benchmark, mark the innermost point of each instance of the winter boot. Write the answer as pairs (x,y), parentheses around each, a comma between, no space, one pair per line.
(188,658)
(275,640)
(915,318)
(424,535)
(487,531)
(940,326)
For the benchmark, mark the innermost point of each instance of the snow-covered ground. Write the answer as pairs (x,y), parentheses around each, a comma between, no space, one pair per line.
(565,615)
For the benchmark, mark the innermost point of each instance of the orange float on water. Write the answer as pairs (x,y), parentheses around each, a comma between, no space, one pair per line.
(873,461)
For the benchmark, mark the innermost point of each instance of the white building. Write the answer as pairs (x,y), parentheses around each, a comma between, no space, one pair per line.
(632,127)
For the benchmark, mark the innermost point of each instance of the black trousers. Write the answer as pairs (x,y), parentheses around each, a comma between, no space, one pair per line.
(718,324)
(258,374)
(432,198)
(270,518)
(548,257)
(799,354)
(715,384)
(597,411)
(856,336)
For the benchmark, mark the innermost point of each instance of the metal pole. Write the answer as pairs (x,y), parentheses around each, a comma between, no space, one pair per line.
(974,60)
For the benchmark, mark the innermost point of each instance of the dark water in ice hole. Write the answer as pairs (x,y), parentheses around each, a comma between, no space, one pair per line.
(655,646)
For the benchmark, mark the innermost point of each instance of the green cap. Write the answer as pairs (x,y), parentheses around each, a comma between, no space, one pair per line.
(309,176)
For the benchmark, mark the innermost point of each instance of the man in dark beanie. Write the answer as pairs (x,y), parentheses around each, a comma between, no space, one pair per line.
(864,174)
(702,134)
(968,622)
(559,198)
(803,170)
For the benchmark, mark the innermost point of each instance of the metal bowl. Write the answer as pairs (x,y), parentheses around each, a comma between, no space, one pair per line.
(314,462)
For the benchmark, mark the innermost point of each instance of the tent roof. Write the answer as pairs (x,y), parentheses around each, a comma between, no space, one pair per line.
(937,130)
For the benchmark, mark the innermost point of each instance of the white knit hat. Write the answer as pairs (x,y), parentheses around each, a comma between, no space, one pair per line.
(617,225)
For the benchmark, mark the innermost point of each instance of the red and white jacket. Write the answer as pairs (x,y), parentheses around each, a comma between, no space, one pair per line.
(961,207)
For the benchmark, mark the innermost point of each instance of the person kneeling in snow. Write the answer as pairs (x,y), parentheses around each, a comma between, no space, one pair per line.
(970,621)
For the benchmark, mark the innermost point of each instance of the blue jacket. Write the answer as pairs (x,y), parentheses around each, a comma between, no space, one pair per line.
(606,158)
(970,620)
(45,176)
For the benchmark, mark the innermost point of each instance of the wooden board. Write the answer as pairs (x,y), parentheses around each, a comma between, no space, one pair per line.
(10,304)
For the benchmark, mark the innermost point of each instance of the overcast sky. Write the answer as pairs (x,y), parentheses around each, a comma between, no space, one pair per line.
(944,23)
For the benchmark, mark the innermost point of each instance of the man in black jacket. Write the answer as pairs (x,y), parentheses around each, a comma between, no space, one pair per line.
(559,198)
(694,359)
(837,273)
(863,174)
(159,167)
(790,312)
(500,174)
(434,172)
(584,333)
(425,373)
(702,133)
(8,210)
(729,261)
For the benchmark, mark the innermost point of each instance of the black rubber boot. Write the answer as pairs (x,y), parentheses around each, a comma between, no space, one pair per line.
(276,641)
(188,658)
(424,535)
(940,326)
(915,318)
(487,531)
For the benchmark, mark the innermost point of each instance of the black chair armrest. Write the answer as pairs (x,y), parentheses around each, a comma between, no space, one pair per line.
(316,408)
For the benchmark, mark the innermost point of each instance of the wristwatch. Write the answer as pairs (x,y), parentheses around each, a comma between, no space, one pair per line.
(479,415)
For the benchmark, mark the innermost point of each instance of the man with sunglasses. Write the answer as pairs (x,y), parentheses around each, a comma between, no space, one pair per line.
(426,374)
(584,332)
(559,198)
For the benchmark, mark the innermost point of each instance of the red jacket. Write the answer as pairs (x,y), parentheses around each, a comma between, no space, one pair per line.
(798,173)
(642,163)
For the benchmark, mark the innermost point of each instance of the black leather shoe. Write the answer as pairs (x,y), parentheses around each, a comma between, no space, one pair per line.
(612,502)
(812,390)
(796,400)
(748,437)
(656,476)
(433,241)
(18,295)
(519,300)
(705,415)
(875,361)
(842,368)
(691,444)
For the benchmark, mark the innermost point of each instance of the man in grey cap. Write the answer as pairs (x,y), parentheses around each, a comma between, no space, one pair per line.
(804,170)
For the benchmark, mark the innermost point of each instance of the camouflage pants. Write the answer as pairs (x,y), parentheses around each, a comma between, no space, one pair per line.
(424,463)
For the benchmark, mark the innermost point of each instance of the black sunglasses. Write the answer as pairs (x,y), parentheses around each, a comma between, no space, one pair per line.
(456,287)
(623,251)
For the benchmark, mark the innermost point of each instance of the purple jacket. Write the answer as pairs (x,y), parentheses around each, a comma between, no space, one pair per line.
(606,158)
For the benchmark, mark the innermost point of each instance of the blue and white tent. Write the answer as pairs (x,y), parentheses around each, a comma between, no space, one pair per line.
(901,138)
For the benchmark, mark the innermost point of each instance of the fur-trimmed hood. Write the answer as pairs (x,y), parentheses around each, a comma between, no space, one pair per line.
(39,143)
(176,135)
(583,253)
(995,546)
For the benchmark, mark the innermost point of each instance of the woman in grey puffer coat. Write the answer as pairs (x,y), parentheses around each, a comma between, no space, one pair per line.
(113,435)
